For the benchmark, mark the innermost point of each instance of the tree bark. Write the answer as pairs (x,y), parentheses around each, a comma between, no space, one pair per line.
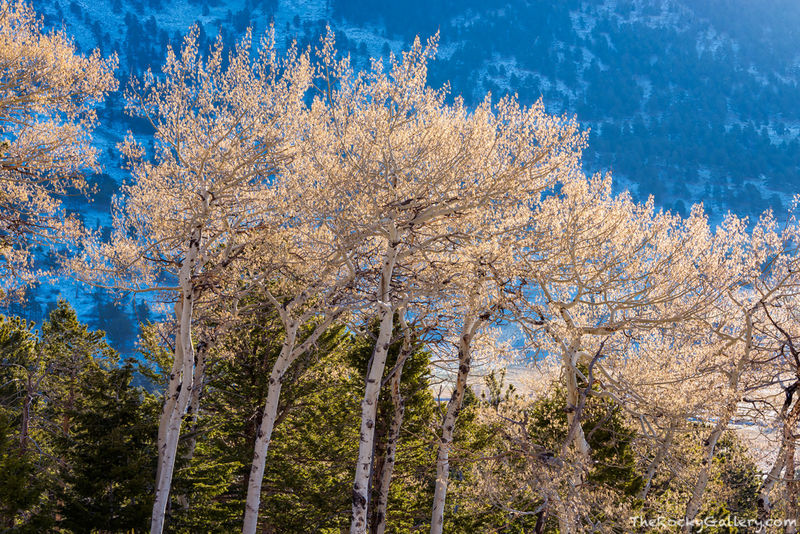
(570,356)
(469,327)
(198,382)
(792,484)
(566,521)
(169,446)
(265,432)
(369,404)
(387,469)
(541,521)
(710,443)
(173,388)
(290,351)
(659,457)
(764,503)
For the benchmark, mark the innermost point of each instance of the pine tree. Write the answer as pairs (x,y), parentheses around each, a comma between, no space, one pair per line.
(76,438)
(109,456)
(24,503)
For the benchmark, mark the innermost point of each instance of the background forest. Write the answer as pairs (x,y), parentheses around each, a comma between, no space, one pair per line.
(351,288)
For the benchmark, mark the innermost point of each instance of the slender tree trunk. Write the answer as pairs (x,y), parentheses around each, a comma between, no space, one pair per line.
(369,404)
(659,457)
(169,446)
(791,490)
(792,484)
(566,521)
(541,521)
(710,444)
(265,432)
(764,503)
(192,411)
(448,424)
(570,357)
(378,463)
(289,353)
(387,469)
(173,388)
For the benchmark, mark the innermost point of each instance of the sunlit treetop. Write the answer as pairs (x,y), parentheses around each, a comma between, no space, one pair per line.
(48,94)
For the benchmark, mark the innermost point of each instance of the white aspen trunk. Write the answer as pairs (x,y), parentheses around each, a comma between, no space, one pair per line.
(573,398)
(265,431)
(659,457)
(449,423)
(564,516)
(565,523)
(369,404)
(693,506)
(193,409)
(792,489)
(289,353)
(764,503)
(194,401)
(170,444)
(391,450)
(696,500)
(173,388)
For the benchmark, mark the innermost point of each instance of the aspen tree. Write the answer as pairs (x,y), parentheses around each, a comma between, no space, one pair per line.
(772,369)
(768,275)
(758,263)
(404,168)
(608,265)
(737,349)
(418,318)
(185,223)
(600,268)
(661,381)
(47,110)
(401,167)
(776,400)
(306,280)
(382,474)
(480,272)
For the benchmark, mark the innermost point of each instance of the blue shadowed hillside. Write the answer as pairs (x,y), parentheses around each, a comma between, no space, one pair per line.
(689,101)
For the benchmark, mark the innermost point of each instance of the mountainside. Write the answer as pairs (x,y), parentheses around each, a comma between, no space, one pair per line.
(685,101)
(690,100)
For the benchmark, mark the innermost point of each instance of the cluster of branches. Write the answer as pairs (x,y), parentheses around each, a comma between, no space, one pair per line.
(364,196)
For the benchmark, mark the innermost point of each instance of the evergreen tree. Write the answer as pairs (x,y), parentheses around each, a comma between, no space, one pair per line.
(109,457)
(76,438)
(26,472)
